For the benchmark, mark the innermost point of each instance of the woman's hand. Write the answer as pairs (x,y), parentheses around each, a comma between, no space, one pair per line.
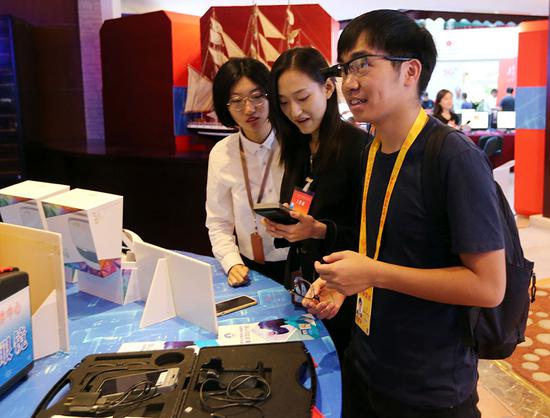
(307,227)
(328,303)
(238,275)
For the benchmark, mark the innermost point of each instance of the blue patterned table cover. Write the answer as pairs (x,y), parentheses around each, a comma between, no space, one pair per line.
(99,326)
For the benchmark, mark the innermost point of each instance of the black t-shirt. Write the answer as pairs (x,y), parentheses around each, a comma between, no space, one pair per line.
(415,352)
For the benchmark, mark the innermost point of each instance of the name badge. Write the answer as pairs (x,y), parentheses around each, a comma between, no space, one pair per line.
(301,201)
(363,310)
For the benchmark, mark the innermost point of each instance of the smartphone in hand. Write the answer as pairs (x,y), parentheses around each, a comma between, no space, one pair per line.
(275,212)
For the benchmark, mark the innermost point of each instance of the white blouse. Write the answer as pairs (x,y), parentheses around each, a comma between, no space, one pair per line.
(227,207)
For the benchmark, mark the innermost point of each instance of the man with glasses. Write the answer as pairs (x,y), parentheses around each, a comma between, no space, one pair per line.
(408,357)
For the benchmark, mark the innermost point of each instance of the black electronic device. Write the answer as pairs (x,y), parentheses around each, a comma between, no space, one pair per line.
(234,304)
(162,380)
(275,212)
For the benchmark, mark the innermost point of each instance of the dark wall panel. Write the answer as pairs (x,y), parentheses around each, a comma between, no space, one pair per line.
(54,88)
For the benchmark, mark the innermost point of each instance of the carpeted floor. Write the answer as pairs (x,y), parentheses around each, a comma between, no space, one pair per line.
(531,360)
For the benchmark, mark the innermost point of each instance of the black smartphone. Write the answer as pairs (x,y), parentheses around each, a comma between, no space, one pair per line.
(234,304)
(163,380)
(275,212)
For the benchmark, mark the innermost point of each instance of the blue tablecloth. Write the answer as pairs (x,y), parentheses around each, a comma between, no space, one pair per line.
(99,326)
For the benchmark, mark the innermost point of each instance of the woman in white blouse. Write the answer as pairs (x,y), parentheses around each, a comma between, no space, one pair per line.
(248,159)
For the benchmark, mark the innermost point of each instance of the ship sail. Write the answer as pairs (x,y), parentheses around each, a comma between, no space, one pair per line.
(218,56)
(270,52)
(232,48)
(199,93)
(291,37)
(289,16)
(269,29)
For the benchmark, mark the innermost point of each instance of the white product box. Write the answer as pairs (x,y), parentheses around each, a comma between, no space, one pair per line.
(20,203)
(90,223)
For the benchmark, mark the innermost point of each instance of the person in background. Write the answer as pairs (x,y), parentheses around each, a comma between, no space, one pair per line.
(508,103)
(490,102)
(243,169)
(466,104)
(408,357)
(457,101)
(426,102)
(443,109)
(322,158)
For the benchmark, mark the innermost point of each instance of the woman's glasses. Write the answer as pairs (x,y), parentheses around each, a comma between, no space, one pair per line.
(238,103)
(300,288)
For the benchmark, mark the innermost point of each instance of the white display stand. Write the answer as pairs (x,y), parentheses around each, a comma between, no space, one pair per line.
(20,204)
(91,223)
(39,253)
(175,285)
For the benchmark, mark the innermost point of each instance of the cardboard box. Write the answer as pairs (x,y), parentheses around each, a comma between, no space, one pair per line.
(90,223)
(20,203)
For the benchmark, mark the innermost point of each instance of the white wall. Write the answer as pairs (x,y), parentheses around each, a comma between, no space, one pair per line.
(468,59)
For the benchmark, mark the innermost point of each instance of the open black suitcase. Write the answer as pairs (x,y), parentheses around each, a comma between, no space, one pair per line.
(276,380)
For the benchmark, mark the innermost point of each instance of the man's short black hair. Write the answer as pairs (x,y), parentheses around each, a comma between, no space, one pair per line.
(509,90)
(394,33)
(230,73)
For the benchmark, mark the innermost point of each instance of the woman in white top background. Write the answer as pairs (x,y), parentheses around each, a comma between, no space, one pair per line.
(248,159)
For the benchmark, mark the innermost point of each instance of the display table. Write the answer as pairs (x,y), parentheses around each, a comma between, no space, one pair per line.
(508,138)
(99,326)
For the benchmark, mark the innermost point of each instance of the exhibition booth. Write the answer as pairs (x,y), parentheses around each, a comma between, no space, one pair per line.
(106,274)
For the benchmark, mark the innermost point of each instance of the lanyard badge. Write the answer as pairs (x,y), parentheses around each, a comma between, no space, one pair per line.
(301,200)
(363,310)
(255,238)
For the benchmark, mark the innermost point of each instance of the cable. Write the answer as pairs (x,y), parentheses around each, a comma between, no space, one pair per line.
(131,398)
(233,395)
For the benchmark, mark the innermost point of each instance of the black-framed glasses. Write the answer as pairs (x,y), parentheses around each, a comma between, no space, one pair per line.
(299,290)
(238,103)
(358,65)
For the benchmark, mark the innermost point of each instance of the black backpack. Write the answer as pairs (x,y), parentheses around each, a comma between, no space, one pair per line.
(493,332)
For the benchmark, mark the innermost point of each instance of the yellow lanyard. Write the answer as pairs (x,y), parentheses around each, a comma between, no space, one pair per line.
(364,299)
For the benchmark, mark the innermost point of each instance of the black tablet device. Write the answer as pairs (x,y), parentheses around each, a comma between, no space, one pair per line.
(275,212)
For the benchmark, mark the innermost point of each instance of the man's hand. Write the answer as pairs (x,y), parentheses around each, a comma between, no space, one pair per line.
(347,272)
(329,302)
(238,275)
(307,227)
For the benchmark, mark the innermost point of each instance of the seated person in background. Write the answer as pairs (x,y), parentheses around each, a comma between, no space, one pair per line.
(443,109)
(508,103)
(426,102)
(466,104)
(240,100)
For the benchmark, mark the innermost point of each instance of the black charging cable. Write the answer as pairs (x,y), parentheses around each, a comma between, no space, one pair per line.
(237,393)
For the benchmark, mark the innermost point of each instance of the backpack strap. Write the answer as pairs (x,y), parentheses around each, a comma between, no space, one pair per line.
(432,185)
(435,200)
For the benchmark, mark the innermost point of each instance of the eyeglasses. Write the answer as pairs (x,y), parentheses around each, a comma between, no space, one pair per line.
(238,103)
(299,290)
(358,65)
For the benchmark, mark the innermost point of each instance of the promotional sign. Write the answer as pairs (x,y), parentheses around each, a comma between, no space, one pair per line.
(15,335)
